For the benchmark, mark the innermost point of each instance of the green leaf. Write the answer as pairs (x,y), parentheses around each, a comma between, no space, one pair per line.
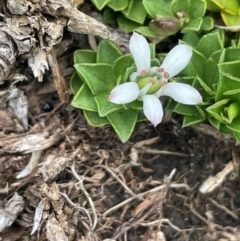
(146,31)
(136,105)
(205,86)
(235,125)
(109,16)
(118,5)
(216,109)
(127,74)
(135,11)
(128,9)
(232,54)
(121,64)
(191,38)
(231,20)
(192,119)
(127,25)
(192,25)
(207,23)
(157,8)
(225,111)
(155,62)
(123,123)
(104,106)
(220,126)
(231,92)
(238,42)
(210,43)
(237,136)
(206,93)
(211,71)
(100,4)
(201,111)
(197,8)
(180,6)
(234,43)
(84,99)
(98,77)
(107,52)
(152,50)
(75,83)
(230,69)
(84,56)
(180,108)
(212,6)
(94,119)
(196,65)
(230,7)
(229,79)
(141,116)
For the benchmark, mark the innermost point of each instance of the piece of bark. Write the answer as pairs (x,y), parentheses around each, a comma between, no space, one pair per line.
(17,6)
(28,143)
(7,56)
(8,122)
(52,166)
(37,217)
(12,208)
(54,230)
(19,106)
(38,63)
(58,77)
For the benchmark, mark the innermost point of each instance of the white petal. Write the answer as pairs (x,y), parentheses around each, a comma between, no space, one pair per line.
(182,93)
(177,59)
(140,50)
(124,93)
(133,76)
(152,109)
(144,90)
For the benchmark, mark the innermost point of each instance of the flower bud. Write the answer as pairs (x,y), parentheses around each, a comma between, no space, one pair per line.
(155,84)
(233,111)
(165,26)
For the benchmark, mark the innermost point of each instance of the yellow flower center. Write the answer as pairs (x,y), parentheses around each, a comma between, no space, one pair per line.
(156,84)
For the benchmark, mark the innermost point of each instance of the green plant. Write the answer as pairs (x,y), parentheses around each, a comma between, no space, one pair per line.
(214,71)
(130,13)
(229,11)
(111,89)
(169,17)
(156,19)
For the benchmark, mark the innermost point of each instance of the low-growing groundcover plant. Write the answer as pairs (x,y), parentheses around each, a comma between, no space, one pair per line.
(156,18)
(229,11)
(200,75)
(214,71)
(121,90)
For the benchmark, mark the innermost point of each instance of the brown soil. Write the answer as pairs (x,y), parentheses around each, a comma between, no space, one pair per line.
(94,187)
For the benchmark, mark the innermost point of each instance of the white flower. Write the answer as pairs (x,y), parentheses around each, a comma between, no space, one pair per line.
(175,61)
